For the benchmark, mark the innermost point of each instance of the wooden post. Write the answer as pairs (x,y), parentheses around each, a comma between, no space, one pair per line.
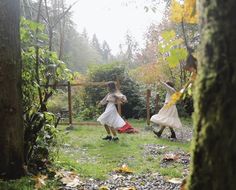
(118,88)
(69,103)
(156,103)
(148,105)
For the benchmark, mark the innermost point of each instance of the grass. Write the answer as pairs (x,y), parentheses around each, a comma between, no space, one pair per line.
(90,156)
(84,152)
(26,183)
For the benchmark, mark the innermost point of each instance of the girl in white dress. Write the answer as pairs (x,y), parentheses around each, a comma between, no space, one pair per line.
(167,116)
(110,118)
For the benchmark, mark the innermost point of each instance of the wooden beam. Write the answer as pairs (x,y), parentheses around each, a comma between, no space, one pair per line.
(156,103)
(69,103)
(148,95)
(81,123)
(81,84)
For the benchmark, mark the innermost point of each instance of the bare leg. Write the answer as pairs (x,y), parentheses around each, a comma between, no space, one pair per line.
(113,131)
(107,129)
(160,131)
(108,137)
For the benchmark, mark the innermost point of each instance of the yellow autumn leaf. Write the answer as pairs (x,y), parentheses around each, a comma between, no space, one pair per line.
(185,11)
(123,169)
(103,188)
(176,11)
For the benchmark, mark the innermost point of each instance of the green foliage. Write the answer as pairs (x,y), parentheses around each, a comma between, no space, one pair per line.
(28,183)
(58,102)
(88,100)
(41,67)
(170,48)
(97,158)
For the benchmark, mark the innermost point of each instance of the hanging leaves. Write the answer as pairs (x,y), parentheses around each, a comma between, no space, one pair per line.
(184,11)
(171,49)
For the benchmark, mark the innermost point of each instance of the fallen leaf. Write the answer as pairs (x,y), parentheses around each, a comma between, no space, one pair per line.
(183,184)
(175,181)
(71,181)
(39,181)
(104,188)
(171,157)
(128,188)
(123,169)
(68,178)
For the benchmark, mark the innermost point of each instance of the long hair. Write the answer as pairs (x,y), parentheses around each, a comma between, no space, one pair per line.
(111,86)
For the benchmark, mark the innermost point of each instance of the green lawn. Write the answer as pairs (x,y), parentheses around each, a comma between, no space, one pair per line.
(89,155)
(83,151)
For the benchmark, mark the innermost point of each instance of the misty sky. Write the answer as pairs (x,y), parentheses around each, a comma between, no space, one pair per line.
(112,19)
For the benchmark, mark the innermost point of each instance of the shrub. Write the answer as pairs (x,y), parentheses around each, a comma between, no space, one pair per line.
(89,97)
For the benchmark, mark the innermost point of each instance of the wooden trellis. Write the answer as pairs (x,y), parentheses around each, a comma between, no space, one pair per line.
(69,85)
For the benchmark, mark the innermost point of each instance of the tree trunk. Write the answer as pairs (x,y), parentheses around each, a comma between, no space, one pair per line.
(11,127)
(214,155)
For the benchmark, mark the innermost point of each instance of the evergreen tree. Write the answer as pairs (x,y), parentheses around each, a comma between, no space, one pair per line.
(96,45)
(106,52)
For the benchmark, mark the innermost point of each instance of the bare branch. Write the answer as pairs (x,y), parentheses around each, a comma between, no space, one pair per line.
(61,16)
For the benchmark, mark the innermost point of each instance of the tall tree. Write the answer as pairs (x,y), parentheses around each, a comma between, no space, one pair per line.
(96,44)
(132,46)
(106,52)
(11,136)
(215,103)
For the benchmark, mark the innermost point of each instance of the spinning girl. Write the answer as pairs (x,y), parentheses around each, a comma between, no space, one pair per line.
(167,117)
(110,118)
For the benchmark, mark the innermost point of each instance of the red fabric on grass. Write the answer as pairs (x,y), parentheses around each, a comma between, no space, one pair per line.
(127,128)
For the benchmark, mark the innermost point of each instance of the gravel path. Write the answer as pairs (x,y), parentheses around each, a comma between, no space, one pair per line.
(134,182)
(148,181)
(128,182)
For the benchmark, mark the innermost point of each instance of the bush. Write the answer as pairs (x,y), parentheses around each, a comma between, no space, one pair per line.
(58,102)
(185,107)
(89,97)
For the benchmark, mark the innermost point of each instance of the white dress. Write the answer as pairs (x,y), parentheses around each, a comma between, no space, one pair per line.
(110,116)
(167,116)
